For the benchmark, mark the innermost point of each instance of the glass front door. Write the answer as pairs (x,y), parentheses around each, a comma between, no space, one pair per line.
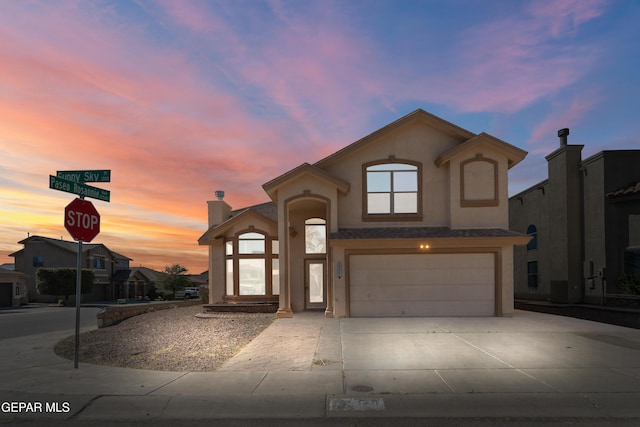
(315,284)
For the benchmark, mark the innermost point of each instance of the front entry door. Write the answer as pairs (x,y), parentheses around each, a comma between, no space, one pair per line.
(315,284)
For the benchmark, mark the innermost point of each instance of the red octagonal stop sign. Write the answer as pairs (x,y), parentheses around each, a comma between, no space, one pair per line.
(82,220)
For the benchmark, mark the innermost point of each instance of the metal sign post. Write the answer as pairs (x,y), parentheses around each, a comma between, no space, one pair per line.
(82,222)
(76,347)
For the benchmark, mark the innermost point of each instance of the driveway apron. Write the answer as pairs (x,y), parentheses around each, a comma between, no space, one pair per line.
(527,353)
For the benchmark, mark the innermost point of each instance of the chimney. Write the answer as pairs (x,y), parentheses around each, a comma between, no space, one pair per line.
(562,134)
(564,208)
(219,210)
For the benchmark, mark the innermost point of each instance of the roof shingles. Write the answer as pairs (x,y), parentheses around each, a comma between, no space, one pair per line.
(630,190)
(419,233)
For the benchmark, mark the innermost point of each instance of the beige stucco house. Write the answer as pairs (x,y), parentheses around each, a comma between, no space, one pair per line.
(46,252)
(411,220)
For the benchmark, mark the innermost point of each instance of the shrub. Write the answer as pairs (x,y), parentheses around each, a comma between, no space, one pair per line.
(629,284)
(62,281)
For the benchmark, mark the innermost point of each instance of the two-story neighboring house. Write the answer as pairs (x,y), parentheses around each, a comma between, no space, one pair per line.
(585,224)
(411,220)
(41,251)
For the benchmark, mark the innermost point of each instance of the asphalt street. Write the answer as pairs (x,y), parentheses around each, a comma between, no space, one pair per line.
(37,319)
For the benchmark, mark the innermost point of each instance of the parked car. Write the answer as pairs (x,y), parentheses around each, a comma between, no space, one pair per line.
(188,293)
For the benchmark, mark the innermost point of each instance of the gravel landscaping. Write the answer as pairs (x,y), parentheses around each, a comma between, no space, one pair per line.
(168,340)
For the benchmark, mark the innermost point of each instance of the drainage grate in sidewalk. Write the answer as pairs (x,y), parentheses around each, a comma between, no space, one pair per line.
(362,388)
(356,404)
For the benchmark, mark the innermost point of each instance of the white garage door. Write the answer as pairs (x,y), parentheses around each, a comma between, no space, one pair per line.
(422,285)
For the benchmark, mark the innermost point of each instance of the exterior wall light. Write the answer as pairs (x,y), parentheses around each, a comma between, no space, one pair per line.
(424,246)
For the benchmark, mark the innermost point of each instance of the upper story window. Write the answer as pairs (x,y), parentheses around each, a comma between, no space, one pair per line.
(98,263)
(533,232)
(392,189)
(38,261)
(315,236)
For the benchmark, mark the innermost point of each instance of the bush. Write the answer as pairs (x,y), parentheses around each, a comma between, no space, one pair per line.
(62,281)
(629,284)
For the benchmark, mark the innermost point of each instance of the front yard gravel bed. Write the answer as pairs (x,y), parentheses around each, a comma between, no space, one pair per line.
(167,340)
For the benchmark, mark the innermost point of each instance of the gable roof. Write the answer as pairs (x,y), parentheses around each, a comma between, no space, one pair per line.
(419,114)
(264,211)
(305,169)
(267,209)
(69,246)
(513,153)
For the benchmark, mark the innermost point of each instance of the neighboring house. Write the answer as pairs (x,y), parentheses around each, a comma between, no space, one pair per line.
(411,220)
(201,279)
(41,251)
(136,283)
(12,286)
(585,226)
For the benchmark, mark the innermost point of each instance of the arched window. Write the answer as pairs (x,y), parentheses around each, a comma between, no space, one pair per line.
(315,236)
(252,265)
(391,190)
(533,232)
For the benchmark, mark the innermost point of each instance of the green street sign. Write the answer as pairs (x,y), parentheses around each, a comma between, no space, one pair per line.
(80,189)
(85,176)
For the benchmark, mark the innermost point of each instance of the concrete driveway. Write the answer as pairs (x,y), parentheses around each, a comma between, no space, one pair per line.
(531,365)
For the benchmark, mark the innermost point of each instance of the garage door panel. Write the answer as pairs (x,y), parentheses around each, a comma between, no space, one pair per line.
(422,285)
(420,308)
(400,292)
(418,277)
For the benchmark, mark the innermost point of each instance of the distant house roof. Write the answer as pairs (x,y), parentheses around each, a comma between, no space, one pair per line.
(199,279)
(632,189)
(8,267)
(70,246)
(419,233)
(268,209)
(121,275)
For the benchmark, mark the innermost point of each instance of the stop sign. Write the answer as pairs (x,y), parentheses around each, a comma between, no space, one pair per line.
(82,220)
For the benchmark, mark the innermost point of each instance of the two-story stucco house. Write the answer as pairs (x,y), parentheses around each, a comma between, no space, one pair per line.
(42,251)
(585,226)
(411,220)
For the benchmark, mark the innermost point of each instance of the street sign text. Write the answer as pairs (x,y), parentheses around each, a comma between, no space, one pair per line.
(79,188)
(85,176)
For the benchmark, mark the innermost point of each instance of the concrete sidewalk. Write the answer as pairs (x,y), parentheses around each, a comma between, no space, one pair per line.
(530,366)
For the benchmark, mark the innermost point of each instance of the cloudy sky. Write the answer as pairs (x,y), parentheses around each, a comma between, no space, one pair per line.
(181,98)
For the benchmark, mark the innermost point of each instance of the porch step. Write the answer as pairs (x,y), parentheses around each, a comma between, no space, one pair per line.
(241,307)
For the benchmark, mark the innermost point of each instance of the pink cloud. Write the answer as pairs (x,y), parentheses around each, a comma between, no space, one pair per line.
(507,64)
(566,15)
(543,137)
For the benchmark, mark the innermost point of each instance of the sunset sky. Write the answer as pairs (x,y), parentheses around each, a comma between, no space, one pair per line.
(181,98)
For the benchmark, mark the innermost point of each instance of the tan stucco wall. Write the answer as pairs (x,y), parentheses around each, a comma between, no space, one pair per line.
(507,279)
(416,141)
(484,216)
